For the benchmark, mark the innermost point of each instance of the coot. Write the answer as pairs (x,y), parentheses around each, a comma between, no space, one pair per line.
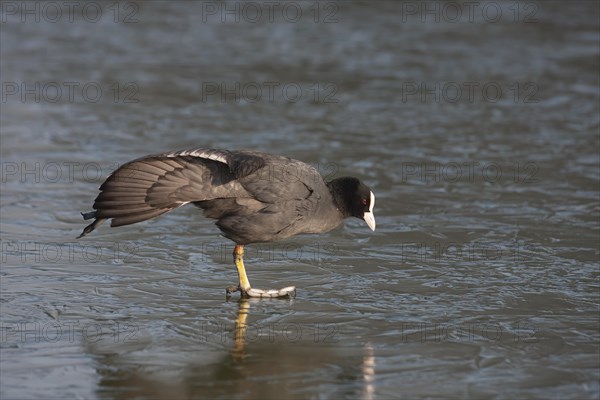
(255,197)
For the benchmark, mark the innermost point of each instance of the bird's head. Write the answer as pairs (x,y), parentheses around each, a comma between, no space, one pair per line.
(354,199)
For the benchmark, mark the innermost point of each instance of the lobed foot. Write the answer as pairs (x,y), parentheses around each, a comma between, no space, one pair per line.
(289,291)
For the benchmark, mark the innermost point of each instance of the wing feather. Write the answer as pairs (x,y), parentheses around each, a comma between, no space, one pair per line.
(153,185)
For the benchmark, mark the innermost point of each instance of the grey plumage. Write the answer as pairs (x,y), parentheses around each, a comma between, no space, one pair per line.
(255,197)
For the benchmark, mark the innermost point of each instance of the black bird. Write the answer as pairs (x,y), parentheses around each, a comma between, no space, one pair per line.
(255,197)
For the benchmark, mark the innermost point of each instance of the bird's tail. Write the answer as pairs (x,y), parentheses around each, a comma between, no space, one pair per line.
(93,225)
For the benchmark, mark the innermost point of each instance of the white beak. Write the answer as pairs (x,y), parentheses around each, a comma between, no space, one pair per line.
(369,217)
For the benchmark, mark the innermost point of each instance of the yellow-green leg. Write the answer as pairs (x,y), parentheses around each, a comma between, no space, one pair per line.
(245,288)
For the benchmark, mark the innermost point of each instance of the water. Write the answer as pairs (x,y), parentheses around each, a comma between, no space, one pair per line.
(479,138)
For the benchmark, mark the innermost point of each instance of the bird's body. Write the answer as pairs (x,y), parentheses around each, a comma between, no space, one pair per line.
(254,196)
(282,198)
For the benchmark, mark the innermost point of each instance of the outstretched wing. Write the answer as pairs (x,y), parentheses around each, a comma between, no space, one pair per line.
(153,185)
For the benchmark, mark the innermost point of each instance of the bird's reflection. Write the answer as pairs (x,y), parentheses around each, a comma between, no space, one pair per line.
(234,359)
(368,371)
(240,330)
(241,325)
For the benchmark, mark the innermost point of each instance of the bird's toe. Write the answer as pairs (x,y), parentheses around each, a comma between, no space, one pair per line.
(289,291)
(232,289)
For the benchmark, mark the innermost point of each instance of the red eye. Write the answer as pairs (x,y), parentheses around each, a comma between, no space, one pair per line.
(364,202)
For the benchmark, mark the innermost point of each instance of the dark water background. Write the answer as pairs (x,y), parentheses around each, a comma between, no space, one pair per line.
(477,128)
